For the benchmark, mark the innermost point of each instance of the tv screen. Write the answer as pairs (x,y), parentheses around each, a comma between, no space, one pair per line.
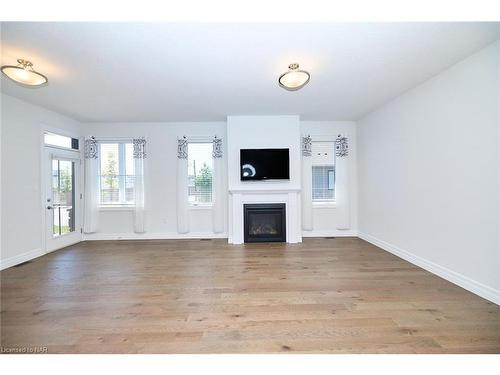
(264,164)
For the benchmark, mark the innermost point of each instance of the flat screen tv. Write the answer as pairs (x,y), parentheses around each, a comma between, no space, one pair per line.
(264,164)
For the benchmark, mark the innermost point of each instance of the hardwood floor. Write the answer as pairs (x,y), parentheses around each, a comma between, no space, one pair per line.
(325,295)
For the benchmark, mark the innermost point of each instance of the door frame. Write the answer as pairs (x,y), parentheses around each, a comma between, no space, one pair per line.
(67,154)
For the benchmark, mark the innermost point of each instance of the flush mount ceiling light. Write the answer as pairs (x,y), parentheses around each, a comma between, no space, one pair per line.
(24,73)
(294,79)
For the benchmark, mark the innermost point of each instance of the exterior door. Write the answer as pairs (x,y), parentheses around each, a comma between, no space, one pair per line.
(62,201)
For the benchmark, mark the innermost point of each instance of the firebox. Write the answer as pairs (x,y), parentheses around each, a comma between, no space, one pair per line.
(265,222)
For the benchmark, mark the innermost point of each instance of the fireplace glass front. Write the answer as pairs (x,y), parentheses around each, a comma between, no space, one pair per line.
(265,222)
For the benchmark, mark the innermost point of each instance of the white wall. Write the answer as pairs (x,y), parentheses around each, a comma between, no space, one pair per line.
(21,210)
(160,180)
(160,170)
(325,216)
(429,180)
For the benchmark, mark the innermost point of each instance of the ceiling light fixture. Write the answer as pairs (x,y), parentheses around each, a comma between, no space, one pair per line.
(294,79)
(24,73)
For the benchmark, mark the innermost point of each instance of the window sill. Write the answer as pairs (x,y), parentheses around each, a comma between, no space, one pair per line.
(201,207)
(324,204)
(117,208)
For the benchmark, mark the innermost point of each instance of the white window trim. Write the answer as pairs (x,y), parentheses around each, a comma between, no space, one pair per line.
(201,206)
(121,172)
(324,204)
(63,148)
(117,207)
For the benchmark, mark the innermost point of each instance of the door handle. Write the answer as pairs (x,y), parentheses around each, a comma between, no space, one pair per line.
(49,207)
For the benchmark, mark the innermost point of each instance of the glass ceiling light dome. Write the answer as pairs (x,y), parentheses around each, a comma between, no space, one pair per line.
(24,73)
(294,79)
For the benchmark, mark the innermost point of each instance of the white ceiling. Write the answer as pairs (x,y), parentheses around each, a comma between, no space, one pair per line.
(204,72)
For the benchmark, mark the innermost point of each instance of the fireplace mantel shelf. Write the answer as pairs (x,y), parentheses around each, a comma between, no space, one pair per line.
(265,191)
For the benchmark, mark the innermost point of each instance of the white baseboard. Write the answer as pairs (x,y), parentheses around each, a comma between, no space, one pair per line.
(21,258)
(152,236)
(338,233)
(465,282)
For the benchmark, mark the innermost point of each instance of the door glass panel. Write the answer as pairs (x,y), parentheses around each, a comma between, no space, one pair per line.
(63,196)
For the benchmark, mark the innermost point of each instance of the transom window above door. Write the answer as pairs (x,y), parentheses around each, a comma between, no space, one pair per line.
(117,175)
(62,141)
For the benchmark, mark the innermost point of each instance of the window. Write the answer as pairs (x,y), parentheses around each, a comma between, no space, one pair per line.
(323,171)
(52,139)
(117,173)
(200,170)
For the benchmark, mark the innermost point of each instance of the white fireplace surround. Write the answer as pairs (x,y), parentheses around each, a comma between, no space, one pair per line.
(247,132)
(290,197)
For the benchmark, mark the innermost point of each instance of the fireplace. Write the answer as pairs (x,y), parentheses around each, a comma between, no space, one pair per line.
(264,222)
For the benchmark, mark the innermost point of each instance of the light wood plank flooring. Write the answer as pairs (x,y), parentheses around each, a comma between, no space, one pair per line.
(325,295)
